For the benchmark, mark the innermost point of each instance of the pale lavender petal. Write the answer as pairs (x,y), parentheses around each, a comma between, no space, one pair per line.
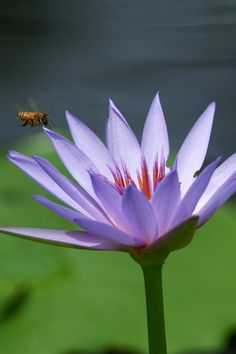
(223,193)
(193,150)
(109,233)
(110,199)
(76,162)
(155,140)
(61,210)
(139,215)
(165,200)
(122,143)
(221,175)
(89,143)
(33,170)
(87,205)
(194,193)
(65,238)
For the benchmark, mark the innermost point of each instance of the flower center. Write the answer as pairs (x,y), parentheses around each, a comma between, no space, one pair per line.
(147,185)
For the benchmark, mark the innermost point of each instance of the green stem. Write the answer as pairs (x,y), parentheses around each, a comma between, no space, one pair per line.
(155,310)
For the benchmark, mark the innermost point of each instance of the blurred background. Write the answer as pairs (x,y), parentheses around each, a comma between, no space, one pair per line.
(74,55)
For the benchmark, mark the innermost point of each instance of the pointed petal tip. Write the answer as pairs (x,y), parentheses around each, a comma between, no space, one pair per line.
(70,116)
(72,120)
(130,189)
(46,130)
(194,148)
(93,177)
(51,133)
(211,108)
(112,107)
(218,159)
(67,114)
(111,103)
(12,154)
(155,139)
(212,104)
(207,115)
(214,163)
(157,97)
(37,197)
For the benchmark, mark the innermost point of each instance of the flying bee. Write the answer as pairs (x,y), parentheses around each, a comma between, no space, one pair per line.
(35,119)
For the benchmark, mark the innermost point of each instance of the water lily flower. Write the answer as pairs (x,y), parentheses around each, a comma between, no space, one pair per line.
(124,195)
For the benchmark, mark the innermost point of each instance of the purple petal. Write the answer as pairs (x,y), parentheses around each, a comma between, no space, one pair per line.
(221,175)
(140,217)
(108,233)
(76,162)
(193,150)
(122,143)
(33,170)
(155,140)
(175,239)
(165,200)
(90,144)
(194,193)
(223,193)
(110,199)
(74,239)
(66,213)
(87,205)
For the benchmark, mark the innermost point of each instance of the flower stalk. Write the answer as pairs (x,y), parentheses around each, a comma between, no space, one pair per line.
(155,309)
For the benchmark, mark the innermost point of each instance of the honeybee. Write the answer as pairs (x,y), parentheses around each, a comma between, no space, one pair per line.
(35,119)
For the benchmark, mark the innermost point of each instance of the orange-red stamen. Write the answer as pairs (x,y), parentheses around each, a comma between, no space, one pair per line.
(145,180)
(122,178)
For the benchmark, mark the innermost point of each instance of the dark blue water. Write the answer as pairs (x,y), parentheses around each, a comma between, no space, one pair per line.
(75,54)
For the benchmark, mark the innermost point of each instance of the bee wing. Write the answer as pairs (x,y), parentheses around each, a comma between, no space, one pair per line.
(19,108)
(50,123)
(32,104)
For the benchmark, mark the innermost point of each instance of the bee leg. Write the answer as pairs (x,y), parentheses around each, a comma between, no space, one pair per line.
(37,122)
(25,123)
(51,123)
